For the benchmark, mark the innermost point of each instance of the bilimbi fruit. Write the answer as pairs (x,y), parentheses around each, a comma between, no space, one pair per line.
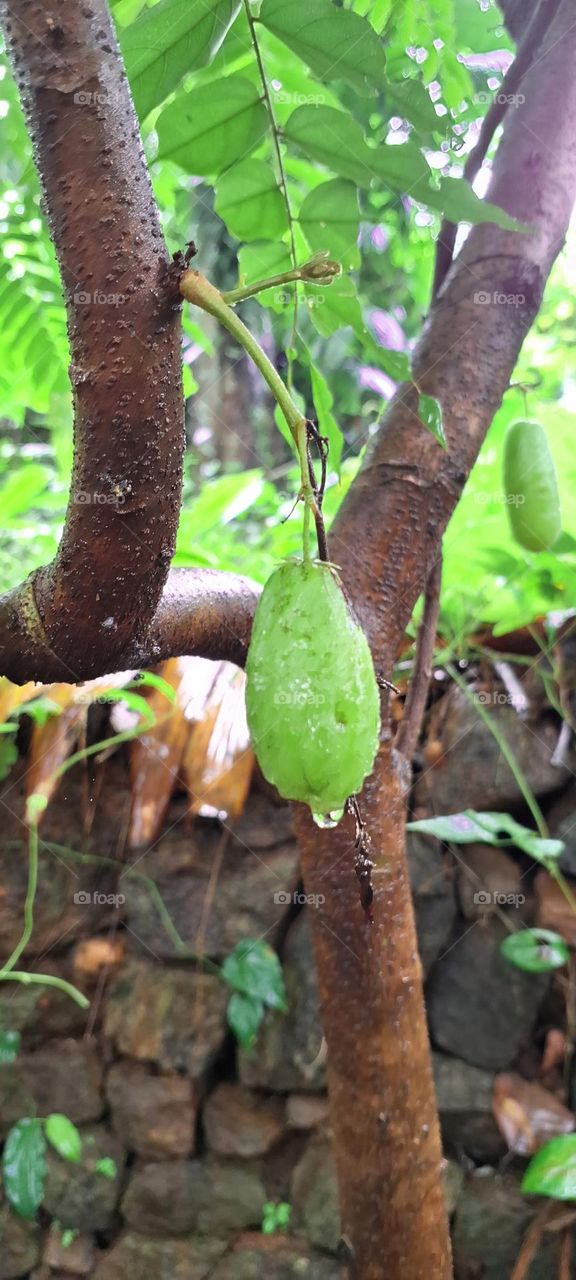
(531,486)
(312,699)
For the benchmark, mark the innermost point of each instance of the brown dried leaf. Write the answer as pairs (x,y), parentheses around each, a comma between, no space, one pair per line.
(156,755)
(219,760)
(528,1115)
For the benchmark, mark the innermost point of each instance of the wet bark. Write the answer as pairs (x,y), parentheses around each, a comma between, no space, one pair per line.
(124,329)
(386,537)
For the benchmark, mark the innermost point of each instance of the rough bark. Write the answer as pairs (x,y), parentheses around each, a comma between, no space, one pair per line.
(124,330)
(385,539)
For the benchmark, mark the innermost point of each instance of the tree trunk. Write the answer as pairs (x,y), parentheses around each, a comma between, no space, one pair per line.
(385,539)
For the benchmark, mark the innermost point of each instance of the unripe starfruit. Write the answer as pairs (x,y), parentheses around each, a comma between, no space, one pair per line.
(531,486)
(312,699)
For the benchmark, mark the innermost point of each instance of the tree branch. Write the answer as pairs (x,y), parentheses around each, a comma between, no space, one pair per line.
(527,51)
(123,321)
(385,537)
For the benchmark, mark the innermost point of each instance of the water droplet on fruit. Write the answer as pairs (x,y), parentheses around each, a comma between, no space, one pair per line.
(326,820)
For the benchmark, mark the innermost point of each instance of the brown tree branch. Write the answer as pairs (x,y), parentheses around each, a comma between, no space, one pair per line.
(202,611)
(123,320)
(531,43)
(386,536)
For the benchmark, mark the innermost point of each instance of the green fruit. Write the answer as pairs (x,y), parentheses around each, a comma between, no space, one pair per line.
(312,699)
(531,486)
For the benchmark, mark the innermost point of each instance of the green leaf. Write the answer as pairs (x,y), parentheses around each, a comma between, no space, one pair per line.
(21,489)
(330,219)
(395,363)
(63,1135)
(552,1171)
(327,424)
(402,167)
(254,969)
(456,200)
(535,950)
(209,128)
(150,680)
(413,102)
(170,39)
(332,138)
(8,754)
(39,709)
(249,201)
(245,1014)
(497,829)
(24,1166)
(9,1046)
(107,1168)
(335,43)
(430,414)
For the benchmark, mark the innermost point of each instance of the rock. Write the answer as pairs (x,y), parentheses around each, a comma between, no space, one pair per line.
(19,1245)
(315,1196)
(40,1013)
(480,1007)
(264,824)
(491,1219)
(432,894)
(177,1197)
(77,1195)
(306,1111)
(464,1097)
(240,1123)
(488,877)
(175,1018)
(561,820)
(275,1258)
(154,1116)
(66,1077)
(76,1258)
(288,1054)
(552,909)
(140,1257)
(250,900)
(472,773)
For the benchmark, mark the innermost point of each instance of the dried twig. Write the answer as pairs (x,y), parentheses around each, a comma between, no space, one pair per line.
(409,730)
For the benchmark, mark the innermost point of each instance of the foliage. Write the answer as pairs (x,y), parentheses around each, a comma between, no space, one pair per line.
(354,147)
(276,1217)
(254,973)
(552,1170)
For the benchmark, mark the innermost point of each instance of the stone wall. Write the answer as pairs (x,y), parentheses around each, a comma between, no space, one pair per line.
(204,1134)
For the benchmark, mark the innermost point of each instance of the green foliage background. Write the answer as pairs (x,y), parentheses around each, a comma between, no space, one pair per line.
(371,107)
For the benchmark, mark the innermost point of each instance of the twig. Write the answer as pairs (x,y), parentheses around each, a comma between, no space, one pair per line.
(493,118)
(531,1242)
(565,1260)
(409,731)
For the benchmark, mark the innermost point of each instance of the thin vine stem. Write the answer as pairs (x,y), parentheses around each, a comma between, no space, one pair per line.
(507,752)
(281,176)
(29,903)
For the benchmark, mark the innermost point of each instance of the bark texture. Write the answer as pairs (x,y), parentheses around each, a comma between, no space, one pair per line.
(386,537)
(124,330)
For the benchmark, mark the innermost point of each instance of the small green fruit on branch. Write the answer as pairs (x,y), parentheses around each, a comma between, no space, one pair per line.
(312,697)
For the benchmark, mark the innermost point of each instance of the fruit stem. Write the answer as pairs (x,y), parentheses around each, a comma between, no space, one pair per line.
(198,290)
